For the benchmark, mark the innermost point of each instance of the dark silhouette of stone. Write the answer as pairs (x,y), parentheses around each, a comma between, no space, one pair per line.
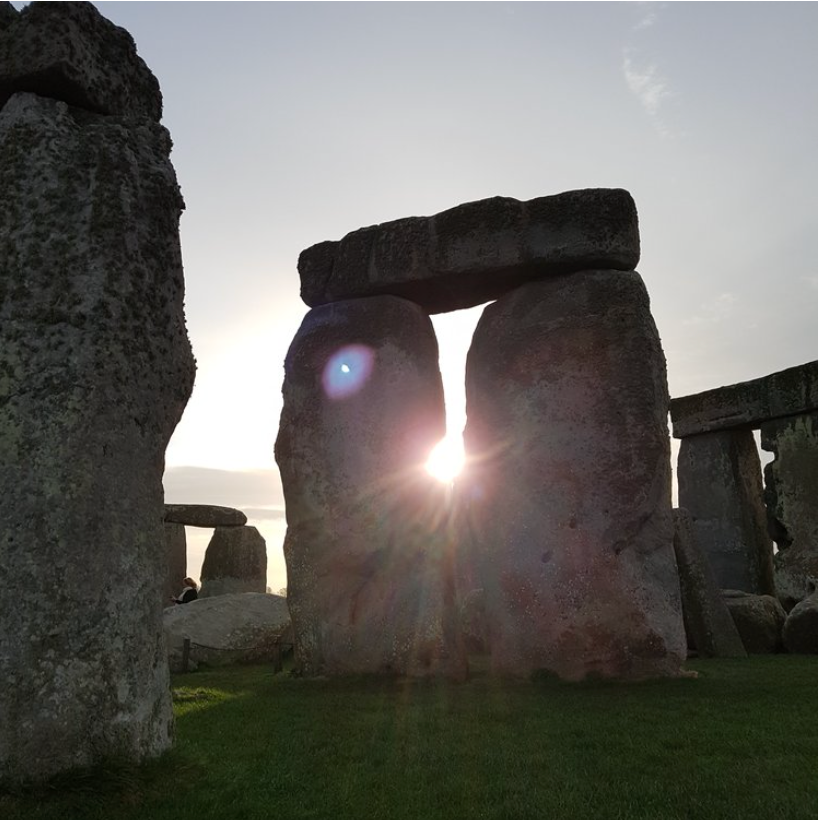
(719,477)
(791,494)
(475,252)
(800,633)
(759,620)
(568,491)
(369,578)
(70,52)
(175,562)
(8,16)
(707,618)
(235,561)
(95,371)
(746,405)
(204,515)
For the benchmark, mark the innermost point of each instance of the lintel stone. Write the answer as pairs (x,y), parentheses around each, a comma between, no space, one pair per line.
(204,515)
(747,405)
(475,252)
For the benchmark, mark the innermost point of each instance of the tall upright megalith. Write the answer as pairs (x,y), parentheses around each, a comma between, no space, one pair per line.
(568,493)
(369,582)
(95,371)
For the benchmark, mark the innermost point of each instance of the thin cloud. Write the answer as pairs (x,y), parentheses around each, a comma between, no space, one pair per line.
(717,310)
(646,22)
(646,84)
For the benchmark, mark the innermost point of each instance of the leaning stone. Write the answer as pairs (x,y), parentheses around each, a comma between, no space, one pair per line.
(800,633)
(369,577)
(70,52)
(204,515)
(235,561)
(95,371)
(719,477)
(746,405)
(568,490)
(759,620)
(234,628)
(175,561)
(707,618)
(791,493)
(475,252)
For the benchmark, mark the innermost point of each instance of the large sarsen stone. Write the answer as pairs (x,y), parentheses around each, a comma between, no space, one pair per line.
(235,561)
(568,492)
(369,581)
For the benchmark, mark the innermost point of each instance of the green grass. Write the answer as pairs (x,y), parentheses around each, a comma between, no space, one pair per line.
(741,741)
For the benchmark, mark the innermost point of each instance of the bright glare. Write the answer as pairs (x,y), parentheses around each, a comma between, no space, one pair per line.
(446,459)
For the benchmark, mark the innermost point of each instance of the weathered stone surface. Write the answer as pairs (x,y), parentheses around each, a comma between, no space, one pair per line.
(235,561)
(8,15)
(204,515)
(746,405)
(95,370)
(759,620)
(233,628)
(791,494)
(369,581)
(719,477)
(475,252)
(70,52)
(568,492)
(707,618)
(800,633)
(175,561)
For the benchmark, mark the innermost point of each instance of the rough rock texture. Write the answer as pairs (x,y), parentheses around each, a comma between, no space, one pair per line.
(204,515)
(800,633)
(235,561)
(789,392)
(175,561)
(237,628)
(719,477)
(70,52)
(369,579)
(477,251)
(759,620)
(707,618)
(95,370)
(568,495)
(791,494)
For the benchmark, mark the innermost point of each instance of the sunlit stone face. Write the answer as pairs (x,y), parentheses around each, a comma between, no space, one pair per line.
(347,371)
(446,459)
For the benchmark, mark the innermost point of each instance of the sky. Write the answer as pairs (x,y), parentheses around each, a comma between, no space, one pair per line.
(294,123)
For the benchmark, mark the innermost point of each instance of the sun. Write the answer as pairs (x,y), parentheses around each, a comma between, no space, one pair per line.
(446,459)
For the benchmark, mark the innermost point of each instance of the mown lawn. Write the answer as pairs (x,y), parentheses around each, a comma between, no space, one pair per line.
(740,741)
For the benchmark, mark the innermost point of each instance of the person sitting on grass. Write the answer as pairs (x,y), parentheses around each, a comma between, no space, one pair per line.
(189,593)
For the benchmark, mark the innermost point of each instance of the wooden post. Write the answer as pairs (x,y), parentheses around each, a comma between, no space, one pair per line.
(185,654)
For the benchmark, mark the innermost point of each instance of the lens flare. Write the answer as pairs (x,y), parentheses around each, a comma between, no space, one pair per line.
(347,371)
(446,459)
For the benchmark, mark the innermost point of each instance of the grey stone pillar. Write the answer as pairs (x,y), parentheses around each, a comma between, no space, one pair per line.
(369,582)
(175,561)
(568,492)
(95,370)
(791,494)
(235,561)
(719,477)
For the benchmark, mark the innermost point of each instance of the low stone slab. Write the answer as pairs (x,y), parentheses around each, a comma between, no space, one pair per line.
(238,628)
(787,393)
(707,618)
(800,634)
(70,52)
(759,620)
(475,252)
(235,561)
(204,515)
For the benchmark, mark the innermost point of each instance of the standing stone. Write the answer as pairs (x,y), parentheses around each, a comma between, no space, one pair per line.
(235,561)
(759,620)
(369,578)
(800,632)
(719,477)
(568,494)
(95,371)
(707,618)
(175,562)
(791,494)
